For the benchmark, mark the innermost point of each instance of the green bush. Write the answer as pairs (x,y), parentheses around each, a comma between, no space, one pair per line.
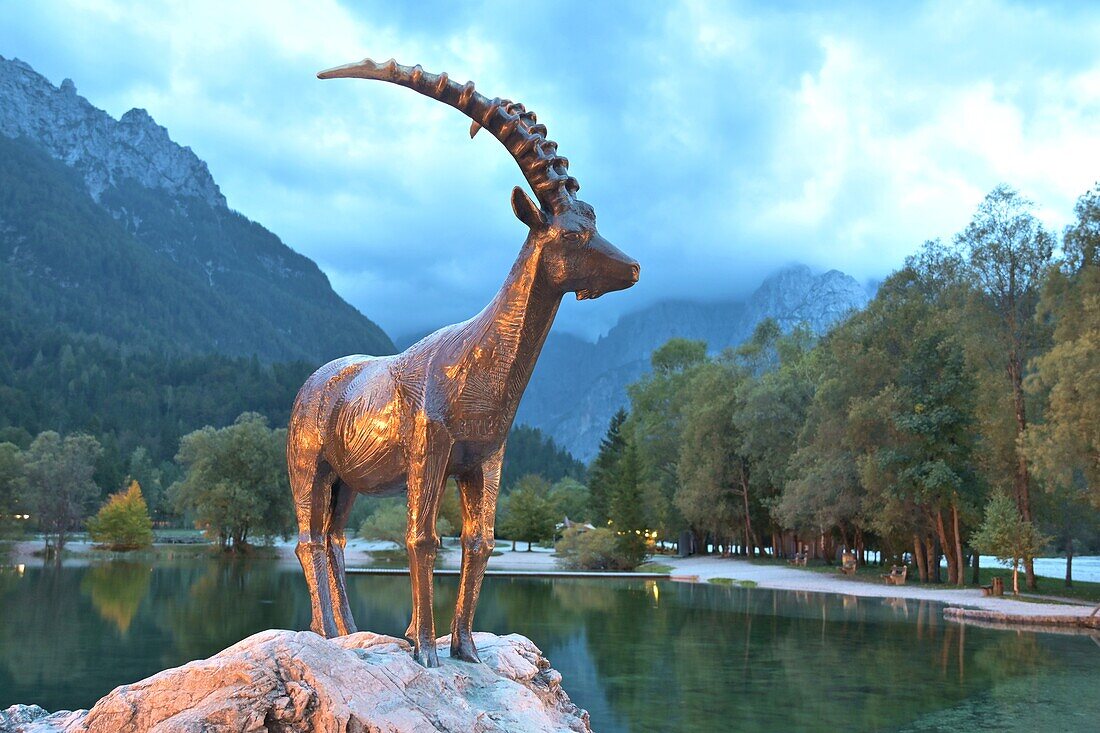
(592,549)
(389,520)
(123,523)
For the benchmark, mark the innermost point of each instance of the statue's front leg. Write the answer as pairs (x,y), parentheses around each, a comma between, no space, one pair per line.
(427,469)
(478,494)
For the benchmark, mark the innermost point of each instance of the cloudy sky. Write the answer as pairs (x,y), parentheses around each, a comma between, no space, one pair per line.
(717,142)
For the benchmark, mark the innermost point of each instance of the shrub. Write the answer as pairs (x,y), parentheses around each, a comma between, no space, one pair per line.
(592,549)
(123,523)
(389,520)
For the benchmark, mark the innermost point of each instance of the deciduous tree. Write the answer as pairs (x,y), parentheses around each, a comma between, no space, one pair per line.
(235,486)
(123,522)
(57,485)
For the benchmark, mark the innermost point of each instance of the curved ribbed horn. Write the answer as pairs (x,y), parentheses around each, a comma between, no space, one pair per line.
(516,128)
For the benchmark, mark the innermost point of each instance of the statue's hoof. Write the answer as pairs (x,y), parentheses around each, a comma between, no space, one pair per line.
(466,651)
(427,657)
(466,656)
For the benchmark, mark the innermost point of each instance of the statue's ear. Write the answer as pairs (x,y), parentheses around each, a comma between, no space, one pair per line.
(527,210)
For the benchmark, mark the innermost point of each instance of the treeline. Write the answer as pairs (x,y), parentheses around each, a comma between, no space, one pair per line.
(135,400)
(974,374)
(230,482)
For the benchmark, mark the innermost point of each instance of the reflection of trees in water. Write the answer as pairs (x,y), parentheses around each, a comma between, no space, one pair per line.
(646,656)
(116,590)
(46,637)
(220,602)
(727,655)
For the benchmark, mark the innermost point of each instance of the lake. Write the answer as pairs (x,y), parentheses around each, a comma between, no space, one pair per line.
(639,655)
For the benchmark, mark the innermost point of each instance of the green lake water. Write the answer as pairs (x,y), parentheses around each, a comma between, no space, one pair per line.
(638,655)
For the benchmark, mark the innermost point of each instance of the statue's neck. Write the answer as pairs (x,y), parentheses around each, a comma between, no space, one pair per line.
(513,327)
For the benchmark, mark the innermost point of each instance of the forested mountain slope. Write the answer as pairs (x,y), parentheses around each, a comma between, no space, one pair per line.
(109,228)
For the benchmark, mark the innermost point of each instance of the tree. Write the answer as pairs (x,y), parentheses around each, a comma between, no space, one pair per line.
(235,483)
(528,514)
(769,414)
(148,476)
(1008,253)
(656,419)
(389,521)
(603,473)
(627,510)
(123,523)
(57,485)
(11,475)
(934,416)
(1065,449)
(1008,536)
(570,499)
(529,450)
(713,495)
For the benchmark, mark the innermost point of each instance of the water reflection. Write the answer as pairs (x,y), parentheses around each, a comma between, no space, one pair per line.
(640,655)
(117,590)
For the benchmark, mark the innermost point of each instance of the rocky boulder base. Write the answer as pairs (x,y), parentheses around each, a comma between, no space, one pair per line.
(298,681)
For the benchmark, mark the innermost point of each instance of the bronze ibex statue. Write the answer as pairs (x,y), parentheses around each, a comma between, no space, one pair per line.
(444,406)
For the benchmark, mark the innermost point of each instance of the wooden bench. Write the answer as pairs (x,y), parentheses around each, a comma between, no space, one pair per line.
(897,575)
(994,588)
(848,564)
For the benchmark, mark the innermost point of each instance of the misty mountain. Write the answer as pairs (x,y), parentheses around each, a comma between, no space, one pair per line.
(110,229)
(578,385)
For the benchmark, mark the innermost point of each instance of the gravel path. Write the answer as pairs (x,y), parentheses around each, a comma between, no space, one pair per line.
(789,578)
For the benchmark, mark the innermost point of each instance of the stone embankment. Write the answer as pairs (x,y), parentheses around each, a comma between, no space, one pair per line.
(296,681)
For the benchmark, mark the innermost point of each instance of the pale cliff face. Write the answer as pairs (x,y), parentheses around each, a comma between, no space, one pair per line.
(106,151)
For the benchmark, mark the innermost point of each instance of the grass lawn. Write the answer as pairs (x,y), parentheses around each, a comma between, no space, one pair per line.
(731,581)
(1053,587)
(653,567)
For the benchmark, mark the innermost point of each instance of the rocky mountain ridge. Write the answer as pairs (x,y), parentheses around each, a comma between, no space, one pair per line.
(104,150)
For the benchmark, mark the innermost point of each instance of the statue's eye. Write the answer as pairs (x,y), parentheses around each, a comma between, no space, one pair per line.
(573,237)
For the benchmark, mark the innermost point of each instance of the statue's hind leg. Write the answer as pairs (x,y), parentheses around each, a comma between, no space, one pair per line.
(312,490)
(343,497)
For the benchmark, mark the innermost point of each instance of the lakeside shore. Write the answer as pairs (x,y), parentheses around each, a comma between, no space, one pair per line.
(361,553)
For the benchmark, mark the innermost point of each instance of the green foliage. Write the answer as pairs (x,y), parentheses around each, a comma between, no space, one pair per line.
(530,451)
(1065,448)
(570,499)
(11,476)
(389,521)
(628,509)
(678,355)
(57,486)
(235,483)
(528,514)
(603,475)
(170,273)
(592,549)
(654,429)
(713,472)
(123,523)
(1007,536)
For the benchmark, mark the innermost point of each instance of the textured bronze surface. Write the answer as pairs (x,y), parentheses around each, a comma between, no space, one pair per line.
(443,407)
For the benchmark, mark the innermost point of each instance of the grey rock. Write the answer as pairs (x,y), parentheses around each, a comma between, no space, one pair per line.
(106,151)
(297,681)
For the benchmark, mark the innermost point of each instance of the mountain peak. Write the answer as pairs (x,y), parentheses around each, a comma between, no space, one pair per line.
(107,152)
